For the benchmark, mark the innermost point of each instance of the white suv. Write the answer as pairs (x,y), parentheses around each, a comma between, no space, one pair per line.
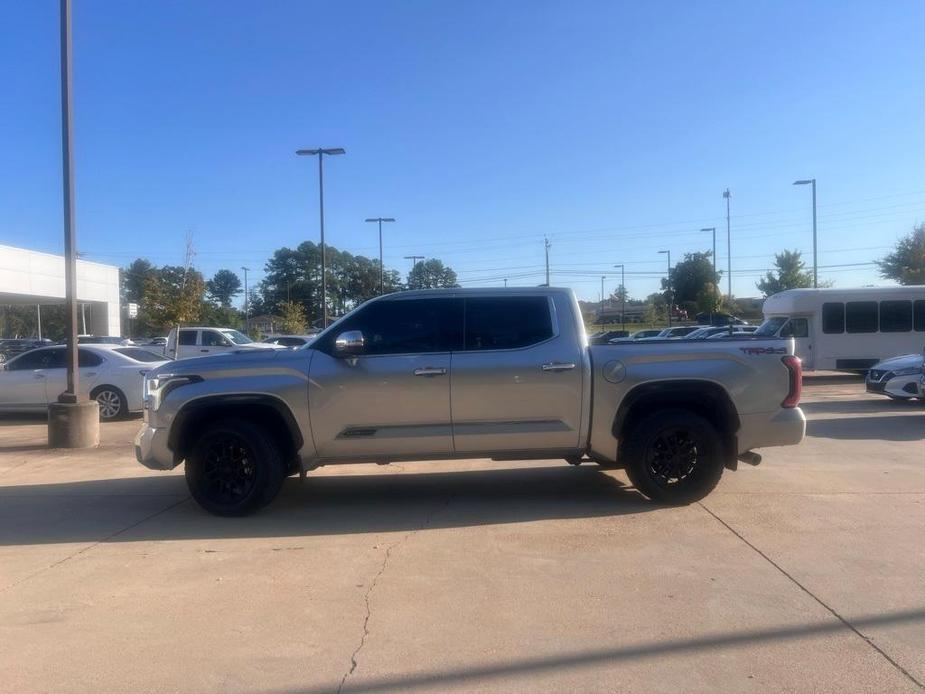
(201,342)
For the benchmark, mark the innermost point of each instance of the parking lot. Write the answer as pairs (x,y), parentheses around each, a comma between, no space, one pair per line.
(805,573)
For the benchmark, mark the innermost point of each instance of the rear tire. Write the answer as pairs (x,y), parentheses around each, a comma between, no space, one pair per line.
(234,468)
(674,457)
(112,401)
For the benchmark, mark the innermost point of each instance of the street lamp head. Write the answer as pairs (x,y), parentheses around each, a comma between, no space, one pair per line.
(664,251)
(313,152)
(380,219)
(708,229)
(804,182)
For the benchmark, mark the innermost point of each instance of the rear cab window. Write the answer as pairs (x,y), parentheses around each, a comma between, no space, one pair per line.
(506,322)
(188,337)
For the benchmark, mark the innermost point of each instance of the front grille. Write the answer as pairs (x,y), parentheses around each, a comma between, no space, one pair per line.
(879,375)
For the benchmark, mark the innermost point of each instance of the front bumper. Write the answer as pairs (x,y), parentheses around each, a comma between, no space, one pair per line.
(785,427)
(896,386)
(151,448)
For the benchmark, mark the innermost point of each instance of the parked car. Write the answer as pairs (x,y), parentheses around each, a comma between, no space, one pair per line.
(506,374)
(103,340)
(203,341)
(737,331)
(719,332)
(638,335)
(11,347)
(897,378)
(291,341)
(719,319)
(112,374)
(605,336)
(675,332)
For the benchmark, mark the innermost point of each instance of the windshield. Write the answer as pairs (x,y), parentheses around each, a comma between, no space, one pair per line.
(238,338)
(770,327)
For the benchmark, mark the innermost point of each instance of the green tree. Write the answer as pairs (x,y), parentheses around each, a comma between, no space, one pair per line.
(906,264)
(431,274)
(223,287)
(790,274)
(174,296)
(292,318)
(690,276)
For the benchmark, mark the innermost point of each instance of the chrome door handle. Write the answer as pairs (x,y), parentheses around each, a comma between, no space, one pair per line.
(558,366)
(430,371)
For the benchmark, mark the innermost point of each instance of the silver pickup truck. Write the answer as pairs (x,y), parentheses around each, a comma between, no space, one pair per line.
(505,374)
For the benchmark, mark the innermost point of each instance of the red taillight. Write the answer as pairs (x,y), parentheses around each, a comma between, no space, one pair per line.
(795,368)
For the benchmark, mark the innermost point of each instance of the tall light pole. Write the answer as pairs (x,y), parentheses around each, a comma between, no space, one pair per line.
(670,297)
(414,262)
(602,300)
(547,245)
(73,422)
(728,196)
(505,282)
(381,270)
(247,318)
(713,229)
(622,297)
(815,266)
(320,153)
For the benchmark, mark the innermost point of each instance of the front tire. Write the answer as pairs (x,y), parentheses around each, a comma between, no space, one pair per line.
(234,468)
(674,457)
(112,401)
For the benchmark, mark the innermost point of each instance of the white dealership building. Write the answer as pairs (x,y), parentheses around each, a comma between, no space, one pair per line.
(31,278)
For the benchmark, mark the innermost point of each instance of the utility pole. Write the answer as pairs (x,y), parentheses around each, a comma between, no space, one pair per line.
(381,267)
(320,153)
(670,295)
(815,265)
(247,317)
(547,244)
(505,282)
(728,196)
(713,229)
(622,297)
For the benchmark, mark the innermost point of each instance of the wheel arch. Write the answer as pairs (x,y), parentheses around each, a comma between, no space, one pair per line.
(707,399)
(267,410)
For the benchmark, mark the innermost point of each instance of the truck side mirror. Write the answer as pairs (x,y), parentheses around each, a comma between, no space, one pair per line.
(349,343)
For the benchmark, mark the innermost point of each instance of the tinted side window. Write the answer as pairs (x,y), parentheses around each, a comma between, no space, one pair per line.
(796,327)
(507,322)
(31,360)
(895,316)
(211,338)
(87,358)
(56,359)
(833,318)
(188,337)
(918,316)
(410,326)
(861,316)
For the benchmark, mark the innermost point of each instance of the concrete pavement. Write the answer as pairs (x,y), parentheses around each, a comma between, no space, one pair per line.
(804,574)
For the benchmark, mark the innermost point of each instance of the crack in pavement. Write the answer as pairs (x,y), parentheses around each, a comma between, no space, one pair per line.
(372,586)
(868,640)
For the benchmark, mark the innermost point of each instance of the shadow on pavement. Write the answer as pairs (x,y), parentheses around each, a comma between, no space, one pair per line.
(329,505)
(531,667)
(885,428)
(831,379)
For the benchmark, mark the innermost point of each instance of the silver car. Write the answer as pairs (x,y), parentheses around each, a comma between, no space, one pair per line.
(897,377)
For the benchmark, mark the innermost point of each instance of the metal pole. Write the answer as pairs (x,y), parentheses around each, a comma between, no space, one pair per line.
(546,242)
(670,294)
(815,266)
(247,320)
(602,300)
(70,241)
(381,271)
(38,313)
(622,298)
(728,195)
(324,268)
(505,282)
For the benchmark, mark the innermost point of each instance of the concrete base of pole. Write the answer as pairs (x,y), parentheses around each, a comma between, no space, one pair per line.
(74,425)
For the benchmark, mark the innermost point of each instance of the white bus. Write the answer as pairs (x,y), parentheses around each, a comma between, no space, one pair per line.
(847,329)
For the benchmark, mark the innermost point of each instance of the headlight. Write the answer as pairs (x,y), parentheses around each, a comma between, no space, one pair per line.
(911,371)
(158,386)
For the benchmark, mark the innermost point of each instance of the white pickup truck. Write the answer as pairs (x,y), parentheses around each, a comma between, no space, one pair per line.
(505,374)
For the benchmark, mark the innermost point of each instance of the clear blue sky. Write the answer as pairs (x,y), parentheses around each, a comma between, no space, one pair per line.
(613,128)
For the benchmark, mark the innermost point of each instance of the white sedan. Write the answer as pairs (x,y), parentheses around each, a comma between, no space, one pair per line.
(112,374)
(897,378)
